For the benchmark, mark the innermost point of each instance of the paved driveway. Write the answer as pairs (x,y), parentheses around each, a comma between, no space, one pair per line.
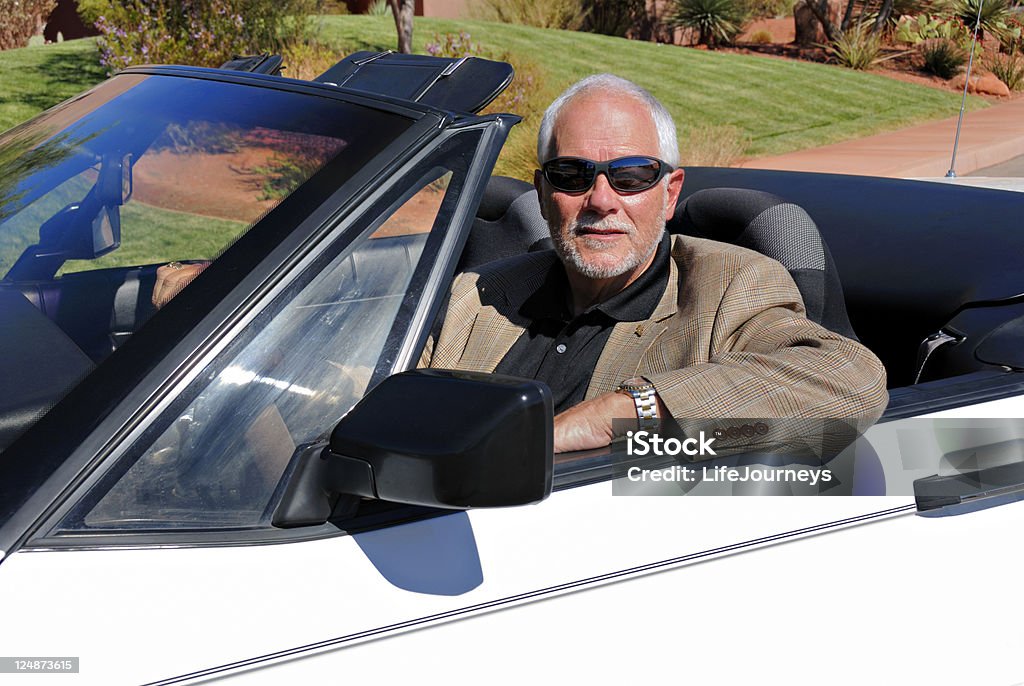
(1014,167)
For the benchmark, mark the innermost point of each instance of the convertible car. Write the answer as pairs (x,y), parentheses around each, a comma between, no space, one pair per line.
(253,481)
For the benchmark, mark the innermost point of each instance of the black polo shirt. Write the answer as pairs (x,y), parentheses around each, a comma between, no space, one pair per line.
(561,350)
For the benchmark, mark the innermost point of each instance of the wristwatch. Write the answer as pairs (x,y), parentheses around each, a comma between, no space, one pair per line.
(645,398)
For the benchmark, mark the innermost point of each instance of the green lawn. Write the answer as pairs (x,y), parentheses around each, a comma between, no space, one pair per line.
(152,234)
(777,105)
(37,77)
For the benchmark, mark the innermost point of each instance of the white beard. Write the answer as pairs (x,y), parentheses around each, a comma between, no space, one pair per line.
(570,255)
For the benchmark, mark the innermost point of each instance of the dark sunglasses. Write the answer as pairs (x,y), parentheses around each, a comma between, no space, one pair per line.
(631,174)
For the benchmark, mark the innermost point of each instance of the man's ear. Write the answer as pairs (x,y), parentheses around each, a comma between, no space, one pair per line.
(675,186)
(538,179)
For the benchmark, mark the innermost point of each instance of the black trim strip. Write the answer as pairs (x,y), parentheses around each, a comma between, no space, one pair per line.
(386,103)
(954,392)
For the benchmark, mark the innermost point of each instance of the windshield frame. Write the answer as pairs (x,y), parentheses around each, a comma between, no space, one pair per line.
(448,248)
(39,465)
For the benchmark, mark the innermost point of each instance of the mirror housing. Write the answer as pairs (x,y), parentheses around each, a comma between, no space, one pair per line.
(435,438)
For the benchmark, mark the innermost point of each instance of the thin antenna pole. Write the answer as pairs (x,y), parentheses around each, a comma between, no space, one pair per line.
(951,174)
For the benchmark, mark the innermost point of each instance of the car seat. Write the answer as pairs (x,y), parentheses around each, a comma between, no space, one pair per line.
(509,222)
(781,230)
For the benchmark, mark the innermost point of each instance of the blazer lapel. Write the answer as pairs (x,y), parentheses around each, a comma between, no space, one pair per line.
(493,336)
(498,324)
(630,341)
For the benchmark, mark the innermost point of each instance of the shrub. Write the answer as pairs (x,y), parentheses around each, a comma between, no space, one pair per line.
(307,60)
(526,96)
(924,27)
(994,15)
(333,7)
(379,8)
(22,19)
(614,17)
(198,32)
(942,57)
(1012,39)
(761,37)
(711,146)
(1009,69)
(856,48)
(545,14)
(454,46)
(714,21)
(769,9)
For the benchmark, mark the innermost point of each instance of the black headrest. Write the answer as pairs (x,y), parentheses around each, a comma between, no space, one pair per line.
(779,229)
(498,195)
(508,222)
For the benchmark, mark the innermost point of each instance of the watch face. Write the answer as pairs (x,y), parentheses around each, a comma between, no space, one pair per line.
(636,384)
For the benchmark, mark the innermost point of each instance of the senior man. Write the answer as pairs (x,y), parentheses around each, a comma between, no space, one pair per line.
(620,320)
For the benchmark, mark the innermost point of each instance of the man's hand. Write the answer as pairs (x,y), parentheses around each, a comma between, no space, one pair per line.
(589,424)
(171,278)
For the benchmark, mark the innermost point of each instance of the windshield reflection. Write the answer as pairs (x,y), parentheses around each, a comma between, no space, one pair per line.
(141,171)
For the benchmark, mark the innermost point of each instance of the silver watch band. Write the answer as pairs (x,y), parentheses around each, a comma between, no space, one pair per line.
(646,402)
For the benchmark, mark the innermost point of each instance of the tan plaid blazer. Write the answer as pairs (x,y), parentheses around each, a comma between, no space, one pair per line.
(728,339)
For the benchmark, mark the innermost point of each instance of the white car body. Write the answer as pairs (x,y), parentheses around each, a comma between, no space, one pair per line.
(585,586)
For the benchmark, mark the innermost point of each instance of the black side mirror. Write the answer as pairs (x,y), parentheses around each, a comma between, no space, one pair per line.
(431,437)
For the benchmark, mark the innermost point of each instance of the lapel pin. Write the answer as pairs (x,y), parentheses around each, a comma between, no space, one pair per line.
(639,331)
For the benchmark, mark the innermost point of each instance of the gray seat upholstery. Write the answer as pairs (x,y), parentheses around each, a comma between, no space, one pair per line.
(508,223)
(779,229)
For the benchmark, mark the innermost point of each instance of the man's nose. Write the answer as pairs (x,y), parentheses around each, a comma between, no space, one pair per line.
(602,198)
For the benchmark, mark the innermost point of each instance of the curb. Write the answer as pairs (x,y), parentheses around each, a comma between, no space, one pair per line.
(988,137)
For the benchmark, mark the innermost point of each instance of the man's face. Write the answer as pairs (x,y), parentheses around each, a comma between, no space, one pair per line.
(601,233)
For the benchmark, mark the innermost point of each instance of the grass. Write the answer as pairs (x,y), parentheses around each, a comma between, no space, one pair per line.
(774,106)
(152,234)
(37,77)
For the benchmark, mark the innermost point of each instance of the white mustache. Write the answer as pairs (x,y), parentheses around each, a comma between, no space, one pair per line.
(602,224)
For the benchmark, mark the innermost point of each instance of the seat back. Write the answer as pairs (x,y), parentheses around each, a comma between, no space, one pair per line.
(781,230)
(508,222)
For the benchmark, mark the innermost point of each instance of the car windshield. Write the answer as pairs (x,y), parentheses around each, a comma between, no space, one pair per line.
(144,170)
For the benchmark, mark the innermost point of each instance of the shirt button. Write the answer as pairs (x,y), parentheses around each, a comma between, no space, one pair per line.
(560,348)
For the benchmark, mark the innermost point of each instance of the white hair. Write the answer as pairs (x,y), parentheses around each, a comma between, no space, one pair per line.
(668,145)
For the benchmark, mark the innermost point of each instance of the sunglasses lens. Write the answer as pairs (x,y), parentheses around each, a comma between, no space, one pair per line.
(632,174)
(570,174)
(626,174)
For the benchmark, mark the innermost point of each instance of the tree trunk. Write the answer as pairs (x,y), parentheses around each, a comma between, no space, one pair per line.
(820,10)
(402,11)
(883,16)
(847,16)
